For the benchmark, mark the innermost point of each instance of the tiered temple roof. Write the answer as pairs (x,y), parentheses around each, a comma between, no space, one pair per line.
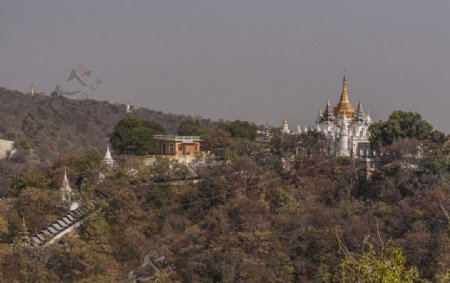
(360,116)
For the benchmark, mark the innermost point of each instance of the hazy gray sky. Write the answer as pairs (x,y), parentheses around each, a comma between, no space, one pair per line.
(236,59)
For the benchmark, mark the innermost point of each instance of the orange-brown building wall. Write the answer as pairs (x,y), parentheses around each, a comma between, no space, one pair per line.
(189,149)
(177,148)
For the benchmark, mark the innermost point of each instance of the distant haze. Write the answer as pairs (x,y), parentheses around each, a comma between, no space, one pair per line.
(254,60)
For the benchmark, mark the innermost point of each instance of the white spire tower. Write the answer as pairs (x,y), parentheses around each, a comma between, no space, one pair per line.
(318,128)
(343,139)
(285,128)
(128,108)
(108,158)
(368,119)
(267,136)
(66,190)
(32,90)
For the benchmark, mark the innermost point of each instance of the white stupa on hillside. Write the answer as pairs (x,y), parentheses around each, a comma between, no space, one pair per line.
(108,158)
(109,161)
(67,195)
(66,190)
(31,90)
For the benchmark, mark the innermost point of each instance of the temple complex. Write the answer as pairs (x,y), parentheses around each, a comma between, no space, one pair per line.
(346,130)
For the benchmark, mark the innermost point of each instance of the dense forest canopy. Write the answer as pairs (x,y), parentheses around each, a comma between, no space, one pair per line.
(260,214)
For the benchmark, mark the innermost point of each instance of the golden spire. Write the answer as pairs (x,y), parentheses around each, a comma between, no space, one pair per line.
(344,94)
(285,120)
(344,106)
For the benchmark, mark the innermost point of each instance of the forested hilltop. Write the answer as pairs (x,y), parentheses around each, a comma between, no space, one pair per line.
(260,212)
(52,124)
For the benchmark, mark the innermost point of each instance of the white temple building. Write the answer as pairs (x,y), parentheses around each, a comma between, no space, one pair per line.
(346,130)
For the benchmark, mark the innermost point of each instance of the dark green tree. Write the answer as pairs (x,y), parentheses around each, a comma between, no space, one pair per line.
(435,162)
(132,135)
(401,124)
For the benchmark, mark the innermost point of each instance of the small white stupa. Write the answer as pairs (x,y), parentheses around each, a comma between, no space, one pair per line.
(285,126)
(108,158)
(66,190)
(32,90)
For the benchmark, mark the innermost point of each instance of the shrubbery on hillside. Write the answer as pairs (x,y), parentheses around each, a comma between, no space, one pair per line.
(240,129)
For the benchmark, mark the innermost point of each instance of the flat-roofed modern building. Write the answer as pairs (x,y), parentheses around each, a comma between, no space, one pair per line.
(172,145)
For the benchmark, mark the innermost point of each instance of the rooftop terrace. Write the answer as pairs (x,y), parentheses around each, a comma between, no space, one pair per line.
(174,138)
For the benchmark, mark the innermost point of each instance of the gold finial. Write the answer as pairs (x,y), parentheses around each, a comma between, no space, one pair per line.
(285,120)
(344,94)
(344,106)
